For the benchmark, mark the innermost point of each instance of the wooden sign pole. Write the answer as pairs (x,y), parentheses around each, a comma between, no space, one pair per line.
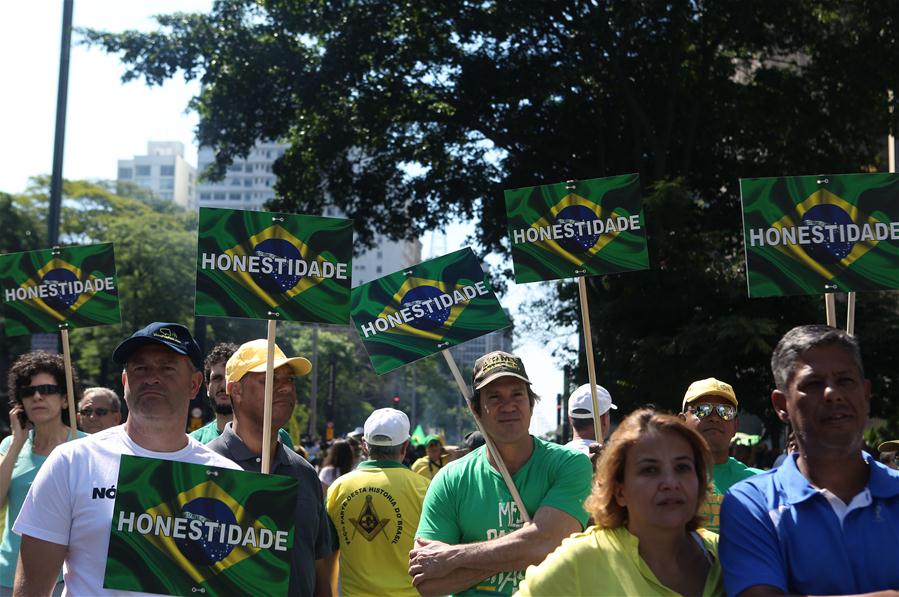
(588,349)
(491,447)
(70,389)
(830,308)
(267,409)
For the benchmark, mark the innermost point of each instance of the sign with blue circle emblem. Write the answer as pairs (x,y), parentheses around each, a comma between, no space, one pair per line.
(577,228)
(820,234)
(188,529)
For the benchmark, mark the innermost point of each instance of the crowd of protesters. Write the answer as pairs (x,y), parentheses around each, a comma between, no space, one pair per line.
(665,504)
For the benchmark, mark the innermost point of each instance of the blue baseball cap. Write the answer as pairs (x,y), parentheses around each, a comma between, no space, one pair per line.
(173,336)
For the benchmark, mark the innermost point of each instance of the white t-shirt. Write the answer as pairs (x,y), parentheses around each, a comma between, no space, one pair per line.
(68,503)
(581,445)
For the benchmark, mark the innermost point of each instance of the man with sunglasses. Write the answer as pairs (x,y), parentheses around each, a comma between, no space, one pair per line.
(710,407)
(99,409)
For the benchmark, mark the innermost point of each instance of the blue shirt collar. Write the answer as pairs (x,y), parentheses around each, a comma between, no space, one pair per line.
(883,482)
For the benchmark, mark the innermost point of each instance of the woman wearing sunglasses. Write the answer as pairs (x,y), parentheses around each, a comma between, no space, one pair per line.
(39,419)
(650,480)
(710,407)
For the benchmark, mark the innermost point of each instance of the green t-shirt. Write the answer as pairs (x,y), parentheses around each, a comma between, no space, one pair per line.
(210,431)
(723,477)
(468,501)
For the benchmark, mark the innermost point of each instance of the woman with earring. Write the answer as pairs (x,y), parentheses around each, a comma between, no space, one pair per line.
(39,420)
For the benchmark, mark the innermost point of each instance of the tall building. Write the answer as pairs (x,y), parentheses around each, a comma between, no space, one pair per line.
(248,182)
(164,171)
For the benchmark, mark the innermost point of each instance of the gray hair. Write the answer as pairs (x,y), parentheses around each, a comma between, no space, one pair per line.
(804,338)
(105,393)
(385,452)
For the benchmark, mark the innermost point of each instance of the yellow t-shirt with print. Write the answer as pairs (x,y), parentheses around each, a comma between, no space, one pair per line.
(375,510)
(606,562)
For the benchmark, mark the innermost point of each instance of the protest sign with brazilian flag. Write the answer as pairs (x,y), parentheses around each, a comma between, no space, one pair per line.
(61,288)
(580,228)
(266,265)
(424,309)
(188,529)
(818,234)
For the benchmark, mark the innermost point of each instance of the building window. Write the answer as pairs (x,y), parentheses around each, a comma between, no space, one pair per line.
(142,170)
(220,196)
(381,255)
(247,182)
(378,270)
(235,167)
(205,196)
(248,167)
(234,196)
(124,172)
(166,183)
(167,171)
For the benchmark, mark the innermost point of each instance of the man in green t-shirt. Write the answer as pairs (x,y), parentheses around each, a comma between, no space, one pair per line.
(710,407)
(471,538)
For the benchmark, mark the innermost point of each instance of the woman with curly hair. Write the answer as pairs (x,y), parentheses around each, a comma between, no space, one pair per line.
(649,484)
(39,420)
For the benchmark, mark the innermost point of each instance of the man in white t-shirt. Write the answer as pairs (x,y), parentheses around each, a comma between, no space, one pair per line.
(580,416)
(67,513)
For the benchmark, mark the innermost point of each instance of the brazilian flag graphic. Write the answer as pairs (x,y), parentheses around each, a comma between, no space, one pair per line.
(579,228)
(265,265)
(429,307)
(61,288)
(819,234)
(188,529)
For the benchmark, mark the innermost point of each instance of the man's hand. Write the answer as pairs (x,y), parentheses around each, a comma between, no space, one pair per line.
(429,560)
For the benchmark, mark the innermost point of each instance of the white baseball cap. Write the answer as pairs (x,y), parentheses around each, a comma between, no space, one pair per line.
(386,427)
(580,403)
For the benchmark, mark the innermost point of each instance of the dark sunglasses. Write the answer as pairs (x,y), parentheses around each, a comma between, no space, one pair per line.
(100,412)
(45,390)
(725,411)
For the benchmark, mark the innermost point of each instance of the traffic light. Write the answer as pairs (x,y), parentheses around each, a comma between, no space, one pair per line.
(396,402)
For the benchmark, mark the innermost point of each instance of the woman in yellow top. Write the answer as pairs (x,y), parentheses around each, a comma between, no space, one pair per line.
(649,484)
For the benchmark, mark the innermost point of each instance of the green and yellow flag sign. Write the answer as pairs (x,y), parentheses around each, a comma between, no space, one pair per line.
(188,529)
(61,288)
(818,234)
(424,309)
(266,265)
(579,228)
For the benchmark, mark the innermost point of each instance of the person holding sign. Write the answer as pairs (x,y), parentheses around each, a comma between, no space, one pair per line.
(39,419)
(241,441)
(67,514)
(825,521)
(472,538)
(217,391)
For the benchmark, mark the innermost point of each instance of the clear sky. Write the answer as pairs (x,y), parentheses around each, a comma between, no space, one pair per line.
(108,120)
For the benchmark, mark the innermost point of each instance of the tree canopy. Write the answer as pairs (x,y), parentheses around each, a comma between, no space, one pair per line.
(409,114)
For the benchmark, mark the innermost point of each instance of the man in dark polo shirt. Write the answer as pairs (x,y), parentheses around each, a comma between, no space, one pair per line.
(311,567)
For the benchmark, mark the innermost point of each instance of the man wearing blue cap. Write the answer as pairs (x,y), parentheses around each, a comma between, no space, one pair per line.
(67,513)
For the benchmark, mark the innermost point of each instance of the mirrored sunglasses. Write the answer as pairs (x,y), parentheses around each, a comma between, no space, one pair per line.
(100,412)
(44,389)
(725,411)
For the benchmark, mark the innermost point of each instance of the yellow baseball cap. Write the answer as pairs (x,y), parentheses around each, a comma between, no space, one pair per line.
(709,387)
(250,358)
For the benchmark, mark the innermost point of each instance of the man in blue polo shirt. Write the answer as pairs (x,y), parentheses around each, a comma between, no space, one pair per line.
(827,520)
